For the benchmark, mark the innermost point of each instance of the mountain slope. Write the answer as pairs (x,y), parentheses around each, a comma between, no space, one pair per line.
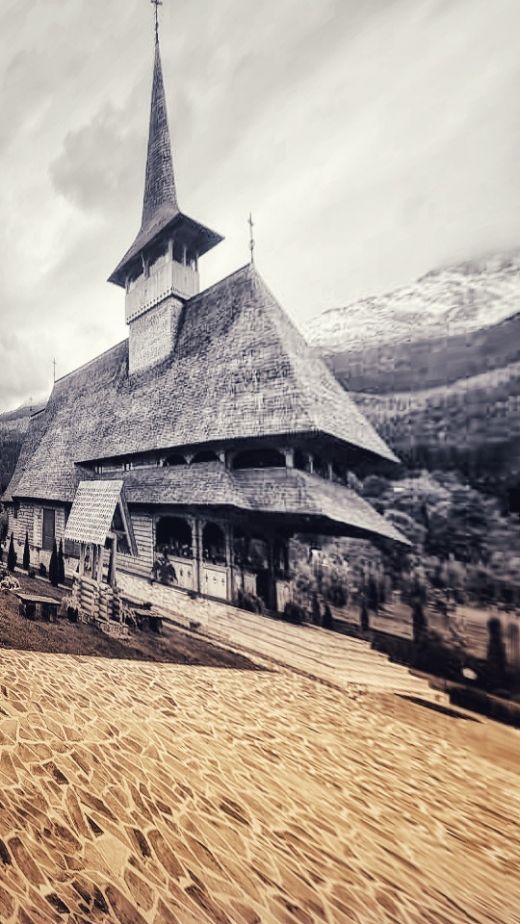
(444,303)
(442,391)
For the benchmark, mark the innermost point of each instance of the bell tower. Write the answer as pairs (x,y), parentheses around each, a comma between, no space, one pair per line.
(160,271)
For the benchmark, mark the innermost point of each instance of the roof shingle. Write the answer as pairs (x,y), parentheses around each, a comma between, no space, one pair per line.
(239,370)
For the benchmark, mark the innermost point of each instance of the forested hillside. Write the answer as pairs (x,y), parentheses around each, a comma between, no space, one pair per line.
(441,383)
(13,426)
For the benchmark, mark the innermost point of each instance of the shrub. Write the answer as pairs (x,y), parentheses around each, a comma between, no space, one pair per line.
(249,602)
(11,555)
(53,566)
(26,553)
(42,570)
(294,613)
(363,616)
(496,655)
(315,610)
(328,622)
(61,564)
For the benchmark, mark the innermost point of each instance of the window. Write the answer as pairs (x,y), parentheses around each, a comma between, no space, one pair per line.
(49,529)
(321,467)
(206,455)
(175,459)
(259,458)
(173,537)
(302,460)
(214,544)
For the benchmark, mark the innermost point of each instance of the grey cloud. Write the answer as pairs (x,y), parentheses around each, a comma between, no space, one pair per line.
(373,140)
(99,166)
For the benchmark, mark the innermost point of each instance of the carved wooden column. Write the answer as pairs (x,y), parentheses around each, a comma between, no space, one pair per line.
(112,575)
(99,574)
(197,552)
(229,534)
(272,579)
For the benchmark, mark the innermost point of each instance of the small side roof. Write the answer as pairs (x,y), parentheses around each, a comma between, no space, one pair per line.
(93,511)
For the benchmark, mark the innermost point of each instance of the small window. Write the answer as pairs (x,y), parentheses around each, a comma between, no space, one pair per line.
(321,467)
(259,458)
(176,458)
(206,455)
(302,460)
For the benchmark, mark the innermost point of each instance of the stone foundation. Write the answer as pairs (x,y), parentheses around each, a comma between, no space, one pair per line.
(174,603)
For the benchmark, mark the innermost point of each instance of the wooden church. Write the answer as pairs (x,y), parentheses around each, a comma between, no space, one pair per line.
(202,443)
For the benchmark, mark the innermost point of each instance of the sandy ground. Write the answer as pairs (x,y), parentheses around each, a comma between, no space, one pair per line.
(133,792)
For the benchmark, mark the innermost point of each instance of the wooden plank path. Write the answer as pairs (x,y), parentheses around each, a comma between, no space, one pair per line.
(325,655)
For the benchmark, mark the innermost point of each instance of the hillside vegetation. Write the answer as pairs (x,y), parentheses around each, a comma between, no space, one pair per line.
(440,381)
(13,426)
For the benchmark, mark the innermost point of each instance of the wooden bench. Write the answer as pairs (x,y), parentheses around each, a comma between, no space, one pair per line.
(33,604)
(148,621)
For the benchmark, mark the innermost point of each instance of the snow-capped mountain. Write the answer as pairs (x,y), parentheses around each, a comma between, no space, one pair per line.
(445,302)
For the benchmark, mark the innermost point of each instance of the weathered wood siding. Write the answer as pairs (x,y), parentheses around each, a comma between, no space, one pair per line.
(143,531)
(30,520)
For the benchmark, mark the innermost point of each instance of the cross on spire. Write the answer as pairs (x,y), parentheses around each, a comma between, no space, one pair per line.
(157,4)
(251,236)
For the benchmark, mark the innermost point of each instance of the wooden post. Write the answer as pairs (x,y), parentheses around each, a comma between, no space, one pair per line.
(113,575)
(99,575)
(229,560)
(197,553)
(82,551)
(271,593)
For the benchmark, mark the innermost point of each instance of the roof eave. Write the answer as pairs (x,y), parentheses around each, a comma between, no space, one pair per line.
(204,238)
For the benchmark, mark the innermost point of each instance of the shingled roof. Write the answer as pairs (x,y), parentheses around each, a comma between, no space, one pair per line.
(299,497)
(239,370)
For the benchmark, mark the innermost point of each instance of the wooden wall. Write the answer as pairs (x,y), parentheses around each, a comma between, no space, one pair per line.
(143,531)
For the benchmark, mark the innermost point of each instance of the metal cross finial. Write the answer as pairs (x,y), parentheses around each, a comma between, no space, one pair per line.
(157,4)
(54,368)
(251,237)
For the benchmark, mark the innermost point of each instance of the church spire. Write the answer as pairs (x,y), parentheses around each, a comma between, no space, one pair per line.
(160,196)
(165,230)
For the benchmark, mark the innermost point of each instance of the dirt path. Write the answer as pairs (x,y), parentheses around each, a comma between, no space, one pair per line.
(63,637)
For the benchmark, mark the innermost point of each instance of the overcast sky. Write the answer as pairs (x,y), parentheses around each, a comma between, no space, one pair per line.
(373,141)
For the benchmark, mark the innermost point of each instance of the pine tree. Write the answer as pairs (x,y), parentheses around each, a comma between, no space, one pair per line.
(26,553)
(11,555)
(61,564)
(53,566)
